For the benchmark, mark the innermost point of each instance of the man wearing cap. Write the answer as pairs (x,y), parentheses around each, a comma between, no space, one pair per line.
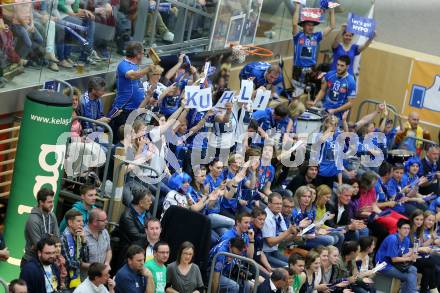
(306,42)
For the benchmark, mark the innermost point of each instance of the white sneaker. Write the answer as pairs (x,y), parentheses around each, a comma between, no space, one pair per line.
(94,55)
(168,36)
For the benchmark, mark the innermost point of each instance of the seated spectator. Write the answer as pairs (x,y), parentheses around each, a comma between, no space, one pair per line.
(74,247)
(430,168)
(133,276)
(241,229)
(41,223)
(183,275)
(288,205)
(98,278)
(343,215)
(11,63)
(305,211)
(413,180)
(88,199)
(91,105)
(307,175)
(161,28)
(17,286)
(275,231)
(131,225)
(262,74)
(312,272)
(20,17)
(221,279)
(40,273)
(97,239)
(395,251)
(406,138)
(71,13)
(152,87)
(296,266)
(258,219)
(277,282)
(75,128)
(157,267)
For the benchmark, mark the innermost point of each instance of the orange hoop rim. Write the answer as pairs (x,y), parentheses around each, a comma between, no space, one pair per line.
(255,50)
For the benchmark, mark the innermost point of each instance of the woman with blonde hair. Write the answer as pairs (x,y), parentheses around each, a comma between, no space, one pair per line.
(152,87)
(305,210)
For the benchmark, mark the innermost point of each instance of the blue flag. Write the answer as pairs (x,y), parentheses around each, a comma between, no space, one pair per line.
(361,25)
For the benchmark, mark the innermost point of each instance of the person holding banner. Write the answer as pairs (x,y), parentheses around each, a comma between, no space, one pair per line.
(262,74)
(306,42)
(338,89)
(343,45)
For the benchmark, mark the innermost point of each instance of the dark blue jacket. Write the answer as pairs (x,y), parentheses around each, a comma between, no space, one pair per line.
(33,273)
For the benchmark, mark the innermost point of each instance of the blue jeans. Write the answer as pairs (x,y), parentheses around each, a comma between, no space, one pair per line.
(29,40)
(408,279)
(356,234)
(276,259)
(228,285)
(324,240)
(64,49)
(220,224)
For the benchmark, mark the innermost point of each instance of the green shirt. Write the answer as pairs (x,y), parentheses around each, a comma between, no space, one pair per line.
(159,275)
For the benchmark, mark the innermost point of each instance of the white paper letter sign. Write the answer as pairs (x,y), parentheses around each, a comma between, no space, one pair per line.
(205,100)
(205,72)
(225,98)
(261,99)
(192,94)
(247,86)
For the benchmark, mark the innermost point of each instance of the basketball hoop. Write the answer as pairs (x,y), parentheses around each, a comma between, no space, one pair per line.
(239,52)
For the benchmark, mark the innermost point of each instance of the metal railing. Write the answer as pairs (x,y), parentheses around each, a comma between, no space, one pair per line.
(74,178)
(117,177)
(242,270)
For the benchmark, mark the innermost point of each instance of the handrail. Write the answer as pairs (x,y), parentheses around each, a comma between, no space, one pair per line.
(109,144)
(115,180)
(392,107)
(242,258)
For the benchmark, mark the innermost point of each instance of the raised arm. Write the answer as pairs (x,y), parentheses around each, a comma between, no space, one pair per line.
(172,72)
(338,36)
(295,28)
(367,43)
(332,25)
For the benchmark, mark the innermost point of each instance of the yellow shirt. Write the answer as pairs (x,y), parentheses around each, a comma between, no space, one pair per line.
(320,214)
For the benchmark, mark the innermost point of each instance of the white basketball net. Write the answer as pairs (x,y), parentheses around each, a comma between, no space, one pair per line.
(239,54)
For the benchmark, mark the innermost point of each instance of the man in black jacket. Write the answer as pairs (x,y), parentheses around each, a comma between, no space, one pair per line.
(40,274)
(343,216)
(307,175)
(131,225)
(431,169)
(276,283)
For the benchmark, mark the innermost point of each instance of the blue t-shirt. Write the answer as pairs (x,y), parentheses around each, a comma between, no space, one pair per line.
(258,70)
(340,51)
(391,247)
(231,234)
(265,174)
(129,93)
(306,48)
(213,184)
(222,264)
(193,118)
(327,165)
(339,90)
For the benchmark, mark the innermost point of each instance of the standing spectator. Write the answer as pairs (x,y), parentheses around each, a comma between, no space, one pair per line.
(17,286)
(133,277)
(346,47)
(275,231)
(98,239)
(41,223)
(406,138)
(91,105)
(262,74)
(40,273)
(157,266)
(4,252)
(130,92)
(74,247)
(153,230)
(395,251)
(87,203)
(131,225)
(183,275)
(338,89)
(98,277)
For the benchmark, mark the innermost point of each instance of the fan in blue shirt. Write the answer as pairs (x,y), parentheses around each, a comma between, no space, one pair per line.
(306,42)
(263,74)
(338,89)
(272,121)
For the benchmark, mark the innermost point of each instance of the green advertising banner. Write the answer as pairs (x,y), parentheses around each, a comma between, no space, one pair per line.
(38,163)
